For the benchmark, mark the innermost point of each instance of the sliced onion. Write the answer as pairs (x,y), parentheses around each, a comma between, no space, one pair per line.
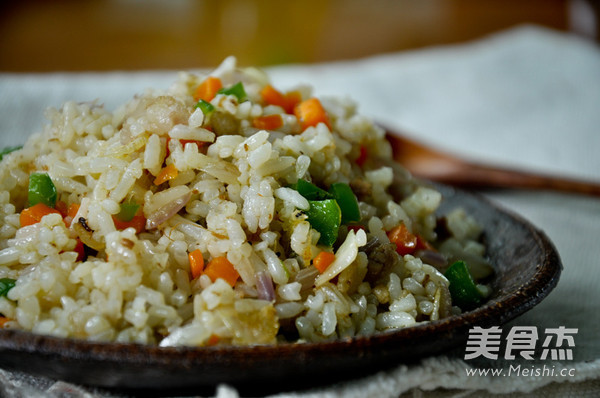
(86,235)
(306,277)
(433,258)
(167,211)
(264,286)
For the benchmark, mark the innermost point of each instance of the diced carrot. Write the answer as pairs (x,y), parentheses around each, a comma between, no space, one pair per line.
(272,96)
(138,222)
(310,113)
(422,244)
(362,157)
(323,260)
(33,215)
(220,267)
(3,321)
(80,250)
(287,101)
(183,142)
(196,263)
(292,98)
(207,90)
(167,173)
(269,122)
(62,208)
(213,340)
(71,213)
(406,242)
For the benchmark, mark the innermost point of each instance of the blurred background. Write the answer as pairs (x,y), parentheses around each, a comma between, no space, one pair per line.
(75,35)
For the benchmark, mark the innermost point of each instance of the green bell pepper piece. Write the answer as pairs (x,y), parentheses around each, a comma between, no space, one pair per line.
(325,216)
(463,289)
(41,190)
(5,285)
(237,90)
(128,211)
(206,107)
(310,191)
(347,202)
(9,149)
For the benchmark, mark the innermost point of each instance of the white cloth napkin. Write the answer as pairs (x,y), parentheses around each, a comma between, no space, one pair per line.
(527,97)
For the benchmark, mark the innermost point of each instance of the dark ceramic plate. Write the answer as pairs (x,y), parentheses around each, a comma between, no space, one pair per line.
(527,268)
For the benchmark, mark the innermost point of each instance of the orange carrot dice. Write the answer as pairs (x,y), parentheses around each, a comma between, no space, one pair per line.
(310,113)
(323,260)
(269,122)
(166,173)
(220,267)
(33,215)
(207,90)
(406,242)
(196,263)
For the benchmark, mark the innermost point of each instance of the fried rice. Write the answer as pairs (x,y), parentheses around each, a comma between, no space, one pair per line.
(221,210)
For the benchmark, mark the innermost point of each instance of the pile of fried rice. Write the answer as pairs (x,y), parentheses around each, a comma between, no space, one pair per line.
(179,219)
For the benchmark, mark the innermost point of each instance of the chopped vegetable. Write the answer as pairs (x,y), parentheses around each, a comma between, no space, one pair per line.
(463,289)
(347,201)
(362,156)
(264,286)
(128,211)
(71,213)
(207,90)
(310,191)
(268,122)
(3,321)
(41,190)
(167,211)
(406,242)
(328,210)
(80,250)
(167,173)
(323,260)
(422,244)
(206,107)
(310,113)
(137,222)
(287,101)
(220,267)
(86,234)
(62,208)
(292,99)
(213,340)
(34,214)
(5,285)
(9,149)
(196,263)
(325,216)
(272,96)
(237,90)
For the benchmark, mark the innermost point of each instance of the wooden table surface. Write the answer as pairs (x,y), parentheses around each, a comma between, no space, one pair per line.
(69,35)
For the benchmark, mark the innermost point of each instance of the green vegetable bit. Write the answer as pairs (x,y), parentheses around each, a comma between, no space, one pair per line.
(128,211)
(5,285)
(8,150)
(310,191)
(41,190)
(347,202)
(206,107)
(237,90)
(325,216)
(463,289)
